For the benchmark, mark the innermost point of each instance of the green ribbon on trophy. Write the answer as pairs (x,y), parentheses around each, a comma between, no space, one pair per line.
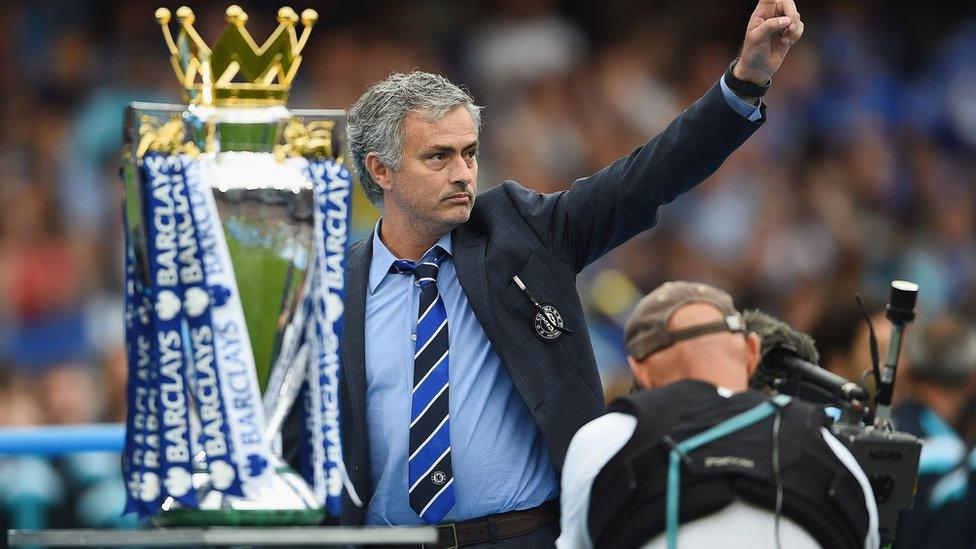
(236,216)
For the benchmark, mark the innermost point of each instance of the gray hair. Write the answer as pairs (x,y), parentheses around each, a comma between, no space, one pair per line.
(375,122)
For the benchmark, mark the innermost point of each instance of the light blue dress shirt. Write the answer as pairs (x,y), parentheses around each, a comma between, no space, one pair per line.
(748,111)
(499,456)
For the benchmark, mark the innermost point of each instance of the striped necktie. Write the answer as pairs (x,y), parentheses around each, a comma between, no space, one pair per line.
(430,474)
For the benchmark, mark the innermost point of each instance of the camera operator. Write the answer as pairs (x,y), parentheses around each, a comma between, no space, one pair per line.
(781,480)
(941,376)
(941,370)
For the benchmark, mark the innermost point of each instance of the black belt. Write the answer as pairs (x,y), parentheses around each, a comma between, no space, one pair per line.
(496,527)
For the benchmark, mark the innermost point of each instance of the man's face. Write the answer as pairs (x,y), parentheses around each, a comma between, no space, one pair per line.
(437,181)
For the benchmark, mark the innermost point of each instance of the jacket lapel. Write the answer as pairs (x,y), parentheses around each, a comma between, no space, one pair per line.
(354,368)
(469,263)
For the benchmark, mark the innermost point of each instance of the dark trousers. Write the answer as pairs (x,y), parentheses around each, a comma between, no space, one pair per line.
(543,538)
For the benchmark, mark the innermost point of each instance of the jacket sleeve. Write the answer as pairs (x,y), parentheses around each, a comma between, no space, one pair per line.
(604,210)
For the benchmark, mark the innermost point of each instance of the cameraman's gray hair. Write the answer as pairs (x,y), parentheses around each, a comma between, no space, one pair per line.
(375,122)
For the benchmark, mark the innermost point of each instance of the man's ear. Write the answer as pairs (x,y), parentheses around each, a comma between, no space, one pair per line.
(379,171)
(753,344)
(639,371)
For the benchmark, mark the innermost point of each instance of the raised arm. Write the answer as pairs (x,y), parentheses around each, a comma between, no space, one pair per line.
(607,208)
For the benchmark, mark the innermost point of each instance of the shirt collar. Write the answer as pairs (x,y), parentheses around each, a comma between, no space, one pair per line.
(383,258)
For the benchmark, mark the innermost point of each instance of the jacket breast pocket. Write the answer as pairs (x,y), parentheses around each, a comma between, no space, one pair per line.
(541,306)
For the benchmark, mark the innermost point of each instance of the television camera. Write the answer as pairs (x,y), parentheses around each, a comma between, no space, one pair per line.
(888,457)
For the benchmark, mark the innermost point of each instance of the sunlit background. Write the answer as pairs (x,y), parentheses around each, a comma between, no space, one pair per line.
(864,171)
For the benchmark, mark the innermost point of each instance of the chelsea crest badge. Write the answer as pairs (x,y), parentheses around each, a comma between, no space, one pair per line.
(548,322)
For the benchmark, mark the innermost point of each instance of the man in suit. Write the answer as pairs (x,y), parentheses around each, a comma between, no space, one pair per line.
(467,365)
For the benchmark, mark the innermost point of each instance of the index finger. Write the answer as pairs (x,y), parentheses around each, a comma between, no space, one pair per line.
(788,7)
(766,8)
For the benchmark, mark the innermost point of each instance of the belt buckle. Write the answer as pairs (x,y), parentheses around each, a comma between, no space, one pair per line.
(449,529)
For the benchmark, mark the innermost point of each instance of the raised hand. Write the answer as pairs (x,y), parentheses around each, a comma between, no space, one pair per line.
(774,26)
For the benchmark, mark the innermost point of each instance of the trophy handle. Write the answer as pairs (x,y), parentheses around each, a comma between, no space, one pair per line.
(288,370)
(281,402)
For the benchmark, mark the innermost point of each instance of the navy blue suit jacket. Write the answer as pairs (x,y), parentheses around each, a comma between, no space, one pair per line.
(545,239)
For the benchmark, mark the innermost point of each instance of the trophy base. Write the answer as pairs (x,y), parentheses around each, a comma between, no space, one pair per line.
(235,517)
(286,501)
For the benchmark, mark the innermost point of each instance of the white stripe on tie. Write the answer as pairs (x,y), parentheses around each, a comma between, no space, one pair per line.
(432,368)
(429,308)
(432,338)
(424,443)
(433,499)
(429,469)
(429,404)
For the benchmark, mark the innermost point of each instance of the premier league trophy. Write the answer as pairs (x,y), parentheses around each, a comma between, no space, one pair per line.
(236,212)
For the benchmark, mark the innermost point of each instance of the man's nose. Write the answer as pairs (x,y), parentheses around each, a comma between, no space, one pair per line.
(461,171)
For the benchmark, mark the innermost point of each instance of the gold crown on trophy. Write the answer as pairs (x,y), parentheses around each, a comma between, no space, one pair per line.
(237,71)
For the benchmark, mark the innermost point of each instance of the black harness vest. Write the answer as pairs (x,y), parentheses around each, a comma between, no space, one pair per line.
(627,499)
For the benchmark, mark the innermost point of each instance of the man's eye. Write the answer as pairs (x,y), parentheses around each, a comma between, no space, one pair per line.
(437,156)
(473,153)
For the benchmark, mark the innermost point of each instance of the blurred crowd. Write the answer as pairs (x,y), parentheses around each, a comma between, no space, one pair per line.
(863,172)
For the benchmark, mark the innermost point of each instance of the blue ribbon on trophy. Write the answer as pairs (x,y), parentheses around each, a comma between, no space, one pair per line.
(137,353)
(215,436)
(233,358)
(332,186)
(150,492)
(172,399)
